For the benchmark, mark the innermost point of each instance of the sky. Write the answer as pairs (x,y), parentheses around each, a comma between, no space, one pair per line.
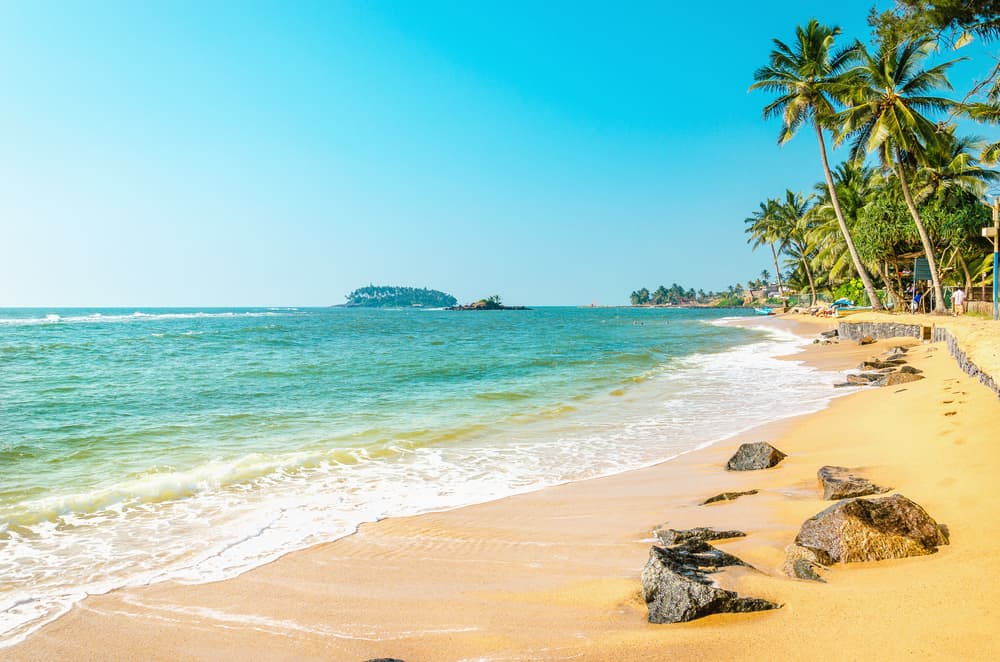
(262,154)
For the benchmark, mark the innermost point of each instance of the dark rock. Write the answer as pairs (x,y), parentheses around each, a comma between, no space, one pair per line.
(843,384)
(840,483)
(384,659)
(757,455)
(701,533)
(863,378)
(876,364)
(910,370)
(802,563)
(866,340)
(833,333)
(677,588)
(851,530)
(727,496)
(897,378)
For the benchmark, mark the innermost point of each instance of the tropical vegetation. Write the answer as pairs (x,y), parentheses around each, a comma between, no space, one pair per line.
(394,296)
(912,183)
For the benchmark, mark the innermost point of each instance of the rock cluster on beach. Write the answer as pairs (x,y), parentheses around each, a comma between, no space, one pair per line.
(676,584)
(889,369)
(859,527)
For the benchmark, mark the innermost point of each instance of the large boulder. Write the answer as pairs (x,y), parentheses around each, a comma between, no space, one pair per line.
(889,527)
(677,588)
(840,483)
(753,456)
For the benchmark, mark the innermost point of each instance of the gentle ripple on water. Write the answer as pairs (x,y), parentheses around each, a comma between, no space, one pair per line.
(139,445)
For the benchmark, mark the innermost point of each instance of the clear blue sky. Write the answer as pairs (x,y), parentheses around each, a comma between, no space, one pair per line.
(215,153)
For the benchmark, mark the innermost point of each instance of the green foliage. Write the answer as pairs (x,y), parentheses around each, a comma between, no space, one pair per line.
(730,302)
(673,295)
(955,218)
(490,303)
(915,18)
(884,228)
(394,296)
(640,297)
(853,289)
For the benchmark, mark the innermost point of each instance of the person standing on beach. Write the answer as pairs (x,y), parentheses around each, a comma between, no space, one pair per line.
(958,301)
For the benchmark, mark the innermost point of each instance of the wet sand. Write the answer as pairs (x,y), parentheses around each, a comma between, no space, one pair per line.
(554,574)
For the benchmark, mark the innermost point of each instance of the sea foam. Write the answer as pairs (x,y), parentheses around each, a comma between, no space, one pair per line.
(222,518)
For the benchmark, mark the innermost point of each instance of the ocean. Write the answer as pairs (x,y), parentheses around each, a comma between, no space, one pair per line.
(139,445)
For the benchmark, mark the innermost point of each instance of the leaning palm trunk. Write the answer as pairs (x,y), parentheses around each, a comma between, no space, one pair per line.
(925,238)
(777,271)
(965,270)
(809,275)
(855,257)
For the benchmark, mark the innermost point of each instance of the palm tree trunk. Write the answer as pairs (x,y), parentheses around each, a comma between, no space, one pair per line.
(855,257)
(925,239)
(809,274)
(965,270)
(777,272)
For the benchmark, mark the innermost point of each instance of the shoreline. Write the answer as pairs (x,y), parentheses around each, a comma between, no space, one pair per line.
(553,573)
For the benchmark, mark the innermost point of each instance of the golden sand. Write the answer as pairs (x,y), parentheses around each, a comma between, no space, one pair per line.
(554,574)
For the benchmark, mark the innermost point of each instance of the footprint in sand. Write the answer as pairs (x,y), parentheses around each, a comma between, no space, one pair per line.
(950,413)
(947,402)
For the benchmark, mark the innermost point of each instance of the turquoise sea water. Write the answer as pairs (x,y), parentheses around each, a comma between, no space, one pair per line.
(144,444)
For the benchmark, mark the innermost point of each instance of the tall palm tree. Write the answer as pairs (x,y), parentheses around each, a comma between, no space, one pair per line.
(889,94)
(809,78)
(763,229)
(792,221)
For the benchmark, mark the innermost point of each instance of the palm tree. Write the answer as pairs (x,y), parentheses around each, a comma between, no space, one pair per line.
(854,184)
(949,164)
(763,228)
(792,219)
(989,113)
(888,94)
(809,77)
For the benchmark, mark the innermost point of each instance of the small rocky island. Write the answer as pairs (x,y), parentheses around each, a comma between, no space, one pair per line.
(489,303)
(394,296)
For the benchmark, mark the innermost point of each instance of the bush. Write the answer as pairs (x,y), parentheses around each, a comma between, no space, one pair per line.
(853,289)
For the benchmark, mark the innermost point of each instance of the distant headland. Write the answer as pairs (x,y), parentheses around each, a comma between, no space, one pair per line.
(489,303)
(395,296)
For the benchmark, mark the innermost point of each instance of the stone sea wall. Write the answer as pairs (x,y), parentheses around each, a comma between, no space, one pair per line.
(970,368)
(878,330)
(881,330)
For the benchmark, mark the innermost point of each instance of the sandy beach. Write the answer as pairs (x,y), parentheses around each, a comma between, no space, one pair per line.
(554,574)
